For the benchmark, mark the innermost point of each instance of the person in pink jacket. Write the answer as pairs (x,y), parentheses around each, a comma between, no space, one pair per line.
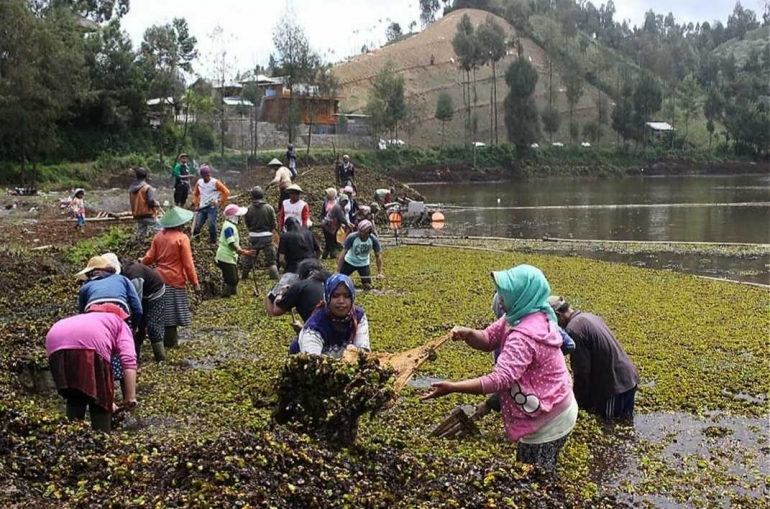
(531,377)
(79,350)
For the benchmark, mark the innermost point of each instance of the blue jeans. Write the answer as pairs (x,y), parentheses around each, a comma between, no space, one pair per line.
(207,213)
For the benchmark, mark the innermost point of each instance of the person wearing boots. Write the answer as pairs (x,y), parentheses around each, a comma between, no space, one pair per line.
(261,223)
(172,255)
(229,249)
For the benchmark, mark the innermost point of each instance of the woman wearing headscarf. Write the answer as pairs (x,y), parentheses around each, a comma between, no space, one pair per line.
(530,376)
(79,350)
(336,325)
(230,248)
(172,255)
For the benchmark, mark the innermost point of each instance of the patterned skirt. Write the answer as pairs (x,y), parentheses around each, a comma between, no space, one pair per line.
(154,318)
(84,372)
(176,307)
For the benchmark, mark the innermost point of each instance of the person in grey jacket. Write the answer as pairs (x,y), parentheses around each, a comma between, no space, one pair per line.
(605,377)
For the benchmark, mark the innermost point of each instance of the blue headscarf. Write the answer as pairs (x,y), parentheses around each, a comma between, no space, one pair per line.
(333,282)
(524,290)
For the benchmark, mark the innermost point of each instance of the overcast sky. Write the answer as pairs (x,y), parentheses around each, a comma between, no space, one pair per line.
(338,28)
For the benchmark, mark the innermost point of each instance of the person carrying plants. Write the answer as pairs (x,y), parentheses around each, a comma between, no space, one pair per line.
(208,197)
(79,350)
(294,207)
(336,324)
(144,206)
(538,408)
(261,223)
(182,178)
(230,248)
(291,159)
(605,377)
(333,220)
(282,179)
(150,288)
(172,255)
(355,254)
(78,208)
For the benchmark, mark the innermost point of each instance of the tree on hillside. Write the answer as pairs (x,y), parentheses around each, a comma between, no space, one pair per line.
(387,103)
(491,38)
(45,79)
(166,50)
(253,93)
(623,114)
(393,32)
(689,91)
(444,112)
(294,60)
(602,114)
(741,21)
(712,110)
(521,116)
(466,47)
(573,81)
(517,13)
(551,120)
(647,101)
(428,9)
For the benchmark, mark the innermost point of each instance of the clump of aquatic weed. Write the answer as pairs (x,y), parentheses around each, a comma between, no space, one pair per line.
(325,397)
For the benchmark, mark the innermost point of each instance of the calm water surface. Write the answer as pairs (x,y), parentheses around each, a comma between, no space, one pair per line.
(693,208)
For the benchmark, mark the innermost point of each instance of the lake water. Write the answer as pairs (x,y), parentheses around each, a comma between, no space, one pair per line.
(692,208)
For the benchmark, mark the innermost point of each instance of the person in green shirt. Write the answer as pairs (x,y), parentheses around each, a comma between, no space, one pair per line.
(182,178)
(229,249)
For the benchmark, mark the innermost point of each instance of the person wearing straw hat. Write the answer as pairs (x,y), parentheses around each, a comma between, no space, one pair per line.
(294,207)
(355,254)
(282,179)
(209,196)
(172,255)
(531,378)
(144,206)
(79,350)
(103,285)
(229,249)
(182,178)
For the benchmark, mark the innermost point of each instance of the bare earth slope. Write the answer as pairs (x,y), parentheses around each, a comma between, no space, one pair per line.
(424,83)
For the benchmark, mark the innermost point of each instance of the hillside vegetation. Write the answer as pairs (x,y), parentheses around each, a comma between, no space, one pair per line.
(424,83)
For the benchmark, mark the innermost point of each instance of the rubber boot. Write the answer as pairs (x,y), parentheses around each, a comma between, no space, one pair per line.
(273,272)
(159,351)
(171,337)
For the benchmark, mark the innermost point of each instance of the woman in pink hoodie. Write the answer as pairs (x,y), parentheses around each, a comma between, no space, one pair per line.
(531,377)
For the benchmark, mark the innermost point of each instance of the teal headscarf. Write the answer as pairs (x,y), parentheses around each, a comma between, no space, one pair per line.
(524,290)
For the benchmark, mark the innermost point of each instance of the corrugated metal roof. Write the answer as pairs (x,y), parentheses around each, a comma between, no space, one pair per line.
(237,101)
(660,126)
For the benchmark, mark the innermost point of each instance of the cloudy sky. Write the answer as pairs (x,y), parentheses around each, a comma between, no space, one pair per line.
(338,28)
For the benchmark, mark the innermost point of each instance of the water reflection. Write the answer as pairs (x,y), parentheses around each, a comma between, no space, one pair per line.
(678,218)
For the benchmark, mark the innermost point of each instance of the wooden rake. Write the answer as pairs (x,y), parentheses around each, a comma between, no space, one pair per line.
(405,363)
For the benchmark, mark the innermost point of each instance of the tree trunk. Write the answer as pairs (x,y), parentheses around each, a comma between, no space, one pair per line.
(494,81)
(475,108)
(491,115)
(186,121)
(309,133)
(443,125)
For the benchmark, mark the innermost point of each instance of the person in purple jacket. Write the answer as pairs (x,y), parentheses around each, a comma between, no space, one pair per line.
(79,350)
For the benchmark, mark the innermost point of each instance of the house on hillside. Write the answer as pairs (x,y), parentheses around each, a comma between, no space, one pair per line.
(659,133)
